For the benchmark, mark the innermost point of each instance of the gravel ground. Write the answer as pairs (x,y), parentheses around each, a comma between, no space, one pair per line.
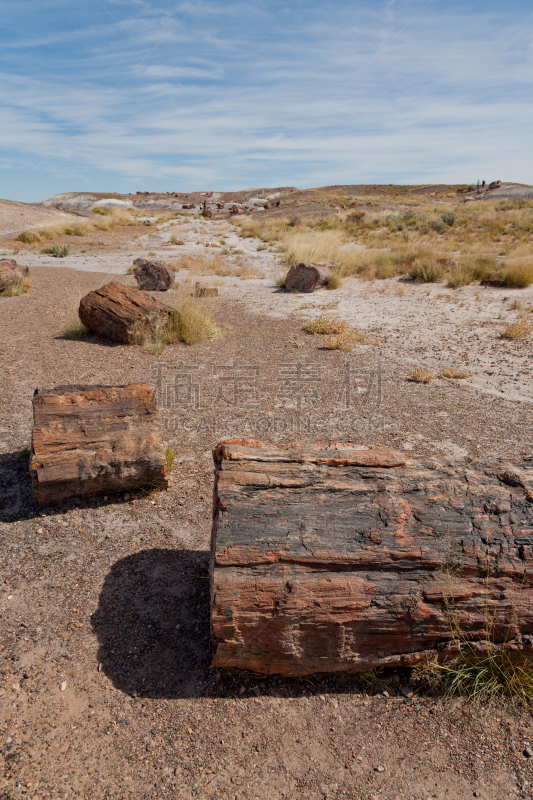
(106,686)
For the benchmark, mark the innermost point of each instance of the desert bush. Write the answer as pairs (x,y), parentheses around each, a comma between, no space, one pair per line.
(483,267)
(438,225)
(460,275)
(29,237)
(175,240)
(387,270)
(449,218)
(427,270)
(515,330)
(519,274)
(324,325)
(421,375)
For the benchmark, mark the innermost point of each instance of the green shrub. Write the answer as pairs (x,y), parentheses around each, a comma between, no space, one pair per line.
(437,225)
(427,270)
(449,218)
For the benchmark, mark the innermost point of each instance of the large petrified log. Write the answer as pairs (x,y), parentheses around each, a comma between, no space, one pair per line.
(95,440)
(124,314)
(346,558)
(307,277)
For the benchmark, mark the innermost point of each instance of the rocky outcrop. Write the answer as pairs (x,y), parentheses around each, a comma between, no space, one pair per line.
(307,277)
(123,314)
(344,559)
(155,276)
(95,440)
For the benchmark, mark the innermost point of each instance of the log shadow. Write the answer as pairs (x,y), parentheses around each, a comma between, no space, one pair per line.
(153,629)
(152,624)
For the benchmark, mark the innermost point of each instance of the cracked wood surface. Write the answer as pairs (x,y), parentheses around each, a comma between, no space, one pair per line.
(95,440)
(342,558)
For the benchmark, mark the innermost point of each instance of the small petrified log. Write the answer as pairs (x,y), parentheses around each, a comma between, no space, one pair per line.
(95,440)
(155,276)
(189,205)
(343,559)
(307,277)
(11,273)
(123,314)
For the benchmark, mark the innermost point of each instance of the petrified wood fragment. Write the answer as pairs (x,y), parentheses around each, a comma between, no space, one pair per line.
(155,276)
(95,440)
(11,273)
(123,314)
(343,559)
(307,277)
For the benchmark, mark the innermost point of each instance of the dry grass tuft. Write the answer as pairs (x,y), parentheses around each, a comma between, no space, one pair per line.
(345,341)
(326,326)
(74,328)
(28,237)
(515,330)
(176,240)
(454,374)
(23,286)
(421,375)
(427,270)
(519,274)
(335,282)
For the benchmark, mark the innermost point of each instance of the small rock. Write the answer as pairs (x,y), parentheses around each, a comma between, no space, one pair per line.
(63,686)
(528,752)
(380,769)
(257,691)
(477,794)
(407,691)
(190,731)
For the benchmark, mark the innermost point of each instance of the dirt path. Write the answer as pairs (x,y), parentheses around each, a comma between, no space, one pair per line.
(106,688)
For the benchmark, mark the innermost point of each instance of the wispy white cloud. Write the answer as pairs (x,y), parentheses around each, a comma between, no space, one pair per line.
(307,94)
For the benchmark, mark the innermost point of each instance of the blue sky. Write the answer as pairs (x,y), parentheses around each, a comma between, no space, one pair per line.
(127,95)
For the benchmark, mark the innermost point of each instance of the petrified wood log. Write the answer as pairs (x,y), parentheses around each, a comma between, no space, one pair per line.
(11,273)
(155,276)
(95,440)
(343,559)
(307,277)
(123,314)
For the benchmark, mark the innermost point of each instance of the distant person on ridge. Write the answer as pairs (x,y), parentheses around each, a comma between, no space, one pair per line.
(478,185)
(483,185)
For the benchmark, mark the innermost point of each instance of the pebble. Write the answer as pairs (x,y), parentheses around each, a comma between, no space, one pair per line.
(380,769)
(407,691)
(63,686)
(528,752)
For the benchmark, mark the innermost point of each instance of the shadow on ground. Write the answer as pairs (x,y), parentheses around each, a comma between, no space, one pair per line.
(152,623)
(153,629)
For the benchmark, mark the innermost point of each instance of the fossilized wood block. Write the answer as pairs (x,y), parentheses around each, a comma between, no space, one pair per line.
(307,277)
(343,559)
(123,314)
(155,276)
(11,273)
(95,440)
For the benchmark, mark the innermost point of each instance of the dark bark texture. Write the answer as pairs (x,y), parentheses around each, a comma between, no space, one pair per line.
(95,440)
(341,559)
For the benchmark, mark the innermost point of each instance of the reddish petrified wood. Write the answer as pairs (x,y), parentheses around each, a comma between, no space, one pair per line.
(11,273)
(95,440)
(343,559)
(123,314)
(307,277)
